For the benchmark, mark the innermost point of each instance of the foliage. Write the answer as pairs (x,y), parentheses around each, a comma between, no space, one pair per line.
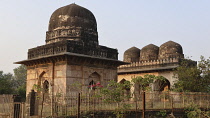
(20,74)
(115,93)
(16,84)
(192,77)
(193,111)
(143,82)
(204,67)
(162,114)
(6,83)
(22,91)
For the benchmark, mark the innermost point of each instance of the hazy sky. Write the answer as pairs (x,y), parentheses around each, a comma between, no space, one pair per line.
(121,24)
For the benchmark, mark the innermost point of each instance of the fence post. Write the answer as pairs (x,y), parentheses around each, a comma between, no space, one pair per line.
(164,102)
(136,107)
(23,109)
(143,105)
(183,99)
(78,109)
(172,106)
(200,94)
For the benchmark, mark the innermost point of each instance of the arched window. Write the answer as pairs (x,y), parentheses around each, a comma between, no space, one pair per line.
(46,86)
(94,80)
(92,85)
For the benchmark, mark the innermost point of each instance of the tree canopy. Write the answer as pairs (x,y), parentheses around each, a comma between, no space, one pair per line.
(6,83)
(14,84)
(193,77)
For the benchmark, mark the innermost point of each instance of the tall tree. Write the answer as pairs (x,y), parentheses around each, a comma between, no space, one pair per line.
(204,67)
(192,77)
(19,82)
(20,75)
(142,83)
(6,83)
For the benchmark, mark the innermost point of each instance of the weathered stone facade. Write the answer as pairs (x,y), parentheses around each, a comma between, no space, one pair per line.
(71,54)
(66,75)
(153,60)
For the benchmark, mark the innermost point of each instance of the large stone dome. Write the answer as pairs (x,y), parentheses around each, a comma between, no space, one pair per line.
(132,55)
(170,49)
(72,22)
(74,16)
(149,52)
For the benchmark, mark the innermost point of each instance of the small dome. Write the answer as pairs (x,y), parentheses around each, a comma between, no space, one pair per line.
(170,49)
(72,22)
(149,52)
(132,55)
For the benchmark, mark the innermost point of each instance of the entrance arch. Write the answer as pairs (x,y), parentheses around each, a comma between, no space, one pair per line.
(126,89)
(161,85)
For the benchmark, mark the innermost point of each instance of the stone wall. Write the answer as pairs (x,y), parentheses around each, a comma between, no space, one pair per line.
(66,76)
(37,74)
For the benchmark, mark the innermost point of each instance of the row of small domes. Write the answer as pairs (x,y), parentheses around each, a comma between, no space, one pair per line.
(167,50)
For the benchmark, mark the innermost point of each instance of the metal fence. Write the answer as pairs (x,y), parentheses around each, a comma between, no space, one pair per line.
(75,104)
(80,103)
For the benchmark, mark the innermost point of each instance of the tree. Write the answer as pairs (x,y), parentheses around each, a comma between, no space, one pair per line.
(115,93)
(204,67)
(20,75)
(6,83)
(143,82)
(16,84)
(19,82)
(192,77)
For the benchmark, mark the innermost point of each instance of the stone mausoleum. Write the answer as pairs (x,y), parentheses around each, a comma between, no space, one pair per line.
(72,54)
(153,60)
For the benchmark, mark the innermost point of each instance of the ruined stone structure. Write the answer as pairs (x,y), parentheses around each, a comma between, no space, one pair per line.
(154,60)
(71,54)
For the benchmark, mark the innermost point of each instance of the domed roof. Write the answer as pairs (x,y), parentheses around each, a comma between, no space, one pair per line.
(170,49)
(72,22)
(149,52)
(132,54)
(72,15)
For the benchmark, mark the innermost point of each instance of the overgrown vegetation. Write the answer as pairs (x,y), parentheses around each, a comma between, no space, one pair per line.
(116,93)
(192,77)
(14,84)
(193,111)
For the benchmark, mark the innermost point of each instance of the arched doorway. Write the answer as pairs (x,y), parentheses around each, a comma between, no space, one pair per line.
(161,85)
(126,89)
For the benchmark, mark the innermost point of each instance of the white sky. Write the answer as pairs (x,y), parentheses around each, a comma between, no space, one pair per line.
(121,24)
